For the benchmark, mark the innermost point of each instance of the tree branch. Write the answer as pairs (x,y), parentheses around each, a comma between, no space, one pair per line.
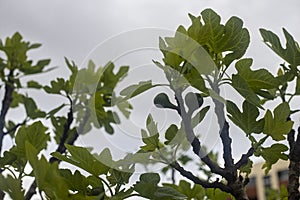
(226,140)
(294,166)
(198,181)
(194,141)
(61,147)
(244,159)
(224,128)
(6,102)
(15,127)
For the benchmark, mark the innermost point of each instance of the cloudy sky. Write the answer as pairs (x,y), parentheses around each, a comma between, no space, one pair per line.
(74,28)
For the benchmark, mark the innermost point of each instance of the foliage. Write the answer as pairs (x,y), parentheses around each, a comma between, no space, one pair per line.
(198,58)
(195,63)
(85,90)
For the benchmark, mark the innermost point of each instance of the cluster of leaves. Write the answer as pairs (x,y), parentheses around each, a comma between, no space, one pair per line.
(199,57)
(88,92)
(195,63)
(89,95)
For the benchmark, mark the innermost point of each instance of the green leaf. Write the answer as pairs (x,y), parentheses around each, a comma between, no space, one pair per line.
(12,186)
(291,53)
(136,89)
(193,101)
(196,192)
(197,31)
(152,139)
(258,80)
(46,174)
(179,139)
(196,80)
(152,142)
(43,63)
(245,120)
(278,126)
(197,119)
(105,156)
(7,159)
(15,50)
(28,68)
(71,65)
(76,182)
(83,187)
(297,92)
(109,79)
(16,99)
(272,154)
(86,80)
(182,48)
(213,193)
(35,134)
(119,177)
(83,159)
(147,187)
(170,134)
(231,38)
(151,125)
(123,194)
(243,88)
(55,110)
(34,84)
(213,23)
(56,86)
(125,107)
(34,46)
(31,108)
(184,159)
(97,187)
(247,168)
(199,59)
(168,193)
(236,40)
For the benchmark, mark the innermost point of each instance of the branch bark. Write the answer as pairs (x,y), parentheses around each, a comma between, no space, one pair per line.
(194,141)
(294,166)
(244,159)
(61,147)
(198,181)
(6,102)
(224,128)
(227,151)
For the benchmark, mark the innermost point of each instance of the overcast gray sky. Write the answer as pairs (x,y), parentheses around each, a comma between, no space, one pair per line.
(72,28)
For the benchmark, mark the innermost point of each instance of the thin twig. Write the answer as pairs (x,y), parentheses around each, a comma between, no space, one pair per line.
(6,102)
(198,181)
(244,158)
(15,127)
(61,147)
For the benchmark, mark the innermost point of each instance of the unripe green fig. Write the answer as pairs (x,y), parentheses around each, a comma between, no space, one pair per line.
(193,101)
(162,101)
